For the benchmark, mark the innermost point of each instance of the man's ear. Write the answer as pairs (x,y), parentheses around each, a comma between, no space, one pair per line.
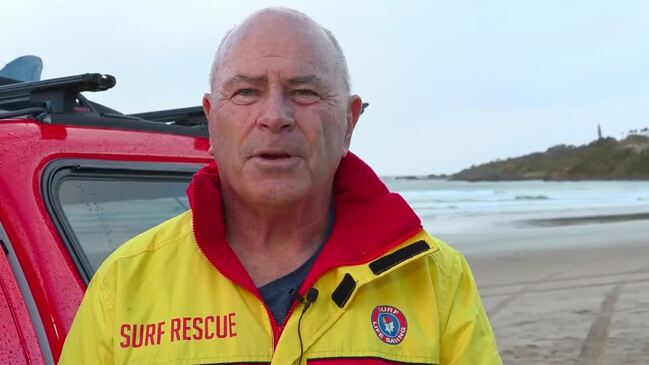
(354,108)
(207,107)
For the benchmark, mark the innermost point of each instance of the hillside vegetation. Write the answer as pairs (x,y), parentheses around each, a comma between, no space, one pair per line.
(603,159)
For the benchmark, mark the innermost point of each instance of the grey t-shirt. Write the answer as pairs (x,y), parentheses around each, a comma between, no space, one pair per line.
(278,293)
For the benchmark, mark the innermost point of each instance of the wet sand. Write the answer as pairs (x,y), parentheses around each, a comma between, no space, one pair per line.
(589,219)
(565,294)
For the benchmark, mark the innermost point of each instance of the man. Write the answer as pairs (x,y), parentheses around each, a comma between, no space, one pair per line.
(287,208)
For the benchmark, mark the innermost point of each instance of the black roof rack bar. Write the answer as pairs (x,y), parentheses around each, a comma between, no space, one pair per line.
(60,94)
(78,83)
(36,112)
(182,116)
(7,81)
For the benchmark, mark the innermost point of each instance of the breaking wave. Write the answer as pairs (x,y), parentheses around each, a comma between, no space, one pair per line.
(531,197)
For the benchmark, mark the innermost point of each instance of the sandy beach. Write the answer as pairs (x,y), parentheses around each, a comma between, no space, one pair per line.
(570,291)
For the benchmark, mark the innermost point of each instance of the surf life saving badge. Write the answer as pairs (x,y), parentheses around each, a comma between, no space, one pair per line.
(390,324)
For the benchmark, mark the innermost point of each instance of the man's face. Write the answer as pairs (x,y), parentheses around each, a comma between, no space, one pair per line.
(279,117)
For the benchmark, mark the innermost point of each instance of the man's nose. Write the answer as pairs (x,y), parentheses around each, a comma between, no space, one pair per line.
(276,113)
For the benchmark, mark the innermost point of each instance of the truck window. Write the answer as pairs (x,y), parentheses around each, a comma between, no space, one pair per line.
(103,214)
(100,207)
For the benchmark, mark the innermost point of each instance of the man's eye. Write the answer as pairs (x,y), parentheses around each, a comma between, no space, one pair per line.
(246,92)
(304,92)
(305,96)
(245,96)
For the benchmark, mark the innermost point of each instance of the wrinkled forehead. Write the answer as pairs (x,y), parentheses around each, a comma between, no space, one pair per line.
(290,46)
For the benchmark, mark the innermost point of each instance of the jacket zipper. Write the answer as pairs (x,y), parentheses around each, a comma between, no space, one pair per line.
(274,328)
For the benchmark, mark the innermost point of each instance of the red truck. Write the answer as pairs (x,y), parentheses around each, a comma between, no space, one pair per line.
(77,179)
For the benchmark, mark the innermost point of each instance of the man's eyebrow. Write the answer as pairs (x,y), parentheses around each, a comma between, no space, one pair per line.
(242,78)
(307,79)
(259,79)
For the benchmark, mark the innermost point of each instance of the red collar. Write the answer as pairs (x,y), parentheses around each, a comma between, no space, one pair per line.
(369,221)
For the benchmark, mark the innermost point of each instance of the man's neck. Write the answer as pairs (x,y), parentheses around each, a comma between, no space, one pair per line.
(273,241)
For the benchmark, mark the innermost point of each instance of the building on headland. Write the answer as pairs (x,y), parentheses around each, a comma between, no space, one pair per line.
(637,139)
(639,132)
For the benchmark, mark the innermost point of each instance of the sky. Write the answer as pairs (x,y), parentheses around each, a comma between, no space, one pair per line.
(450,83)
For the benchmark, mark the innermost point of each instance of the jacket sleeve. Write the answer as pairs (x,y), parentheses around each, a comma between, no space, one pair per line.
(467,337)
(90,338)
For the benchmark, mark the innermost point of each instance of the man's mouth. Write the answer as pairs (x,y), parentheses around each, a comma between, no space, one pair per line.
(274,156)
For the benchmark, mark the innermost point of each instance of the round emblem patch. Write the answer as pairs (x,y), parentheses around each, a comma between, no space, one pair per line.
(390,324)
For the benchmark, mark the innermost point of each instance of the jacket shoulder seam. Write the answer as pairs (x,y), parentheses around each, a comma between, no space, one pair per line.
(155,247)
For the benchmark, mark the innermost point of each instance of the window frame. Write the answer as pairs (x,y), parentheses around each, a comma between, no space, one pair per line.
(60,170)
(27,299)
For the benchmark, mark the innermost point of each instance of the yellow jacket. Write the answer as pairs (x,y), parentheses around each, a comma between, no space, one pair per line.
(387,292)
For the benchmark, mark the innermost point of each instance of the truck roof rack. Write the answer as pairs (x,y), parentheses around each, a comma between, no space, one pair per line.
(60,94)
(59,101)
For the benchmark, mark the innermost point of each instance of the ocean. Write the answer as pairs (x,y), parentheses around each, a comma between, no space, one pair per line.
(454,206)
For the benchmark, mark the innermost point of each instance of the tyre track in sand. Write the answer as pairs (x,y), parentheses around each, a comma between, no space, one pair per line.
(592,350)
(526,288)
(556,282)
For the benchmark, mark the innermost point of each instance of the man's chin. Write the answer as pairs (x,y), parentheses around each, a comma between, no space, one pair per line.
(278,192)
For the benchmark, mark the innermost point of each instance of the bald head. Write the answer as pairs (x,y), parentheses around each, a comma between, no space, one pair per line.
(290,25)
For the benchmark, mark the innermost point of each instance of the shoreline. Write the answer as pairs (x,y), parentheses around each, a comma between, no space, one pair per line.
(451,179)
(510,232)
(586,219)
